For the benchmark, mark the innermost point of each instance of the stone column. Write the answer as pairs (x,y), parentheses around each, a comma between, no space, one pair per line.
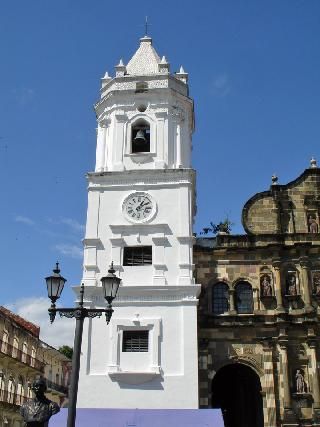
(305,282)
(162,154)
(315,375)
(283,342)
(100,151)
(276,263)
(268,389)
(231,302)
(256,299)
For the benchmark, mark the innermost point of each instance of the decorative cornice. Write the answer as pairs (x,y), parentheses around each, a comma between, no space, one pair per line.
(98,181)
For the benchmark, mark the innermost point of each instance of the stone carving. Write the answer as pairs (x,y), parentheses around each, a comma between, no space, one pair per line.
(291,283)
(316,283)
(265,285)
(312,224)
(36,412)
(299,381)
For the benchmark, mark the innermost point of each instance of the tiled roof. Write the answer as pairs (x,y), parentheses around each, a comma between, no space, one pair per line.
(20,321)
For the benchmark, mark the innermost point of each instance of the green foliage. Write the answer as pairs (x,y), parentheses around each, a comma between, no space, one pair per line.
(224,226)
(66,350)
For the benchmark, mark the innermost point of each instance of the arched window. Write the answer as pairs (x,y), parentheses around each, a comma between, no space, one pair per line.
(15,347)
(220,298)
(33,356)
(24,352)
(20,391)
(140,137)
(5,340)
(11,390)
(2,386)
(244,298)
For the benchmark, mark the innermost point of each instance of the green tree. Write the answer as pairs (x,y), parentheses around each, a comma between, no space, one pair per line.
(66,350)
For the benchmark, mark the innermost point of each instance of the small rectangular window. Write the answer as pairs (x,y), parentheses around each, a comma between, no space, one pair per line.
(135,341)
(137,255)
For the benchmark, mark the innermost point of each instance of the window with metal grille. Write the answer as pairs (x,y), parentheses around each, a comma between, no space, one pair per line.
(137,255)
(135,341)
(220,298)
(244,298)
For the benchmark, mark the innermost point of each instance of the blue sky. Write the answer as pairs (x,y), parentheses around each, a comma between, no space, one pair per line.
(254,76)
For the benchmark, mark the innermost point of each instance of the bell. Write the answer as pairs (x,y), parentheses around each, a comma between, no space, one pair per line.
(140,138)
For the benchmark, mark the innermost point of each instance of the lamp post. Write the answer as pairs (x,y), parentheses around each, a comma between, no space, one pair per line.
(55,284)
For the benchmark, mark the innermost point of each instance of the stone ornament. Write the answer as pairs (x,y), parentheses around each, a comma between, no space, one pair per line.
(38,411)
(265,285)
(312,224)
(291,284)
(316,282)
(300,383)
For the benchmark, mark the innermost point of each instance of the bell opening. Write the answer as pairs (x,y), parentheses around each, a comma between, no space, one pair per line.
(140,142)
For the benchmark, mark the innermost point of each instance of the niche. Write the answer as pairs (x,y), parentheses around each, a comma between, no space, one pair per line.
(140,137)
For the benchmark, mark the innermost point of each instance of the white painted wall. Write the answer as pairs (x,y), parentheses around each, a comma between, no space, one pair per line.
(161,297)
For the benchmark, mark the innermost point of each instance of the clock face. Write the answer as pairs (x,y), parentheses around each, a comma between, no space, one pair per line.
(138,207)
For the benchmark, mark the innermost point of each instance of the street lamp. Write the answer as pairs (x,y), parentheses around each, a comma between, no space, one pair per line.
(55,284)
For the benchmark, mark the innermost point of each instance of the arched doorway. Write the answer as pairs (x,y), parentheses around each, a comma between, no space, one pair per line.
(236,389)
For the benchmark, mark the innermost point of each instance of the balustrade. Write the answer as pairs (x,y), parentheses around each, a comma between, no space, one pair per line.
(21,356)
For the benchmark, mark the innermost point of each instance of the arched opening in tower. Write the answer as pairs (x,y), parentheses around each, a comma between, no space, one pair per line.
(236,389)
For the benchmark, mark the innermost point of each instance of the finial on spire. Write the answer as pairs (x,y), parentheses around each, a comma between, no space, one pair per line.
(313,163)
(120,69)
(146,27)
(182,75)
(274,179)
(105,80)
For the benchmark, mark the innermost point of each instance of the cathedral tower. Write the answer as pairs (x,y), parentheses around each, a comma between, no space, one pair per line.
(141,204)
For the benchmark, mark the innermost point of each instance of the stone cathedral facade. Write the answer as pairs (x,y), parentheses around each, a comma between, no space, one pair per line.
(249,343)
(259,310)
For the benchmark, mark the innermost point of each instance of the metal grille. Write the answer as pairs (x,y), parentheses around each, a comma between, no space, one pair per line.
(244,298)
(220,300)
(135,341)
(137,255)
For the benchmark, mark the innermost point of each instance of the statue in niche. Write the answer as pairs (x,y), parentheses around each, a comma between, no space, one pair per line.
(300,382)
(36,412)
(292,284)
(312,224)
(265,284)
(316,283)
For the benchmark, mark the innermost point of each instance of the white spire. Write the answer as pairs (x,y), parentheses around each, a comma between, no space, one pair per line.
(145,60)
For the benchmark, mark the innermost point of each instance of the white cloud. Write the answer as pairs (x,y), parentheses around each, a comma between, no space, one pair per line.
(72,223)
(35,310)
(72,251)
(24,220)
(221,85)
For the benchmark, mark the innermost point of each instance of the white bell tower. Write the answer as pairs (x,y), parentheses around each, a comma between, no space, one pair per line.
(141,204)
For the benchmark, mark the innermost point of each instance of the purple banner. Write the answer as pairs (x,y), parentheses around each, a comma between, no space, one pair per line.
(142,418)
